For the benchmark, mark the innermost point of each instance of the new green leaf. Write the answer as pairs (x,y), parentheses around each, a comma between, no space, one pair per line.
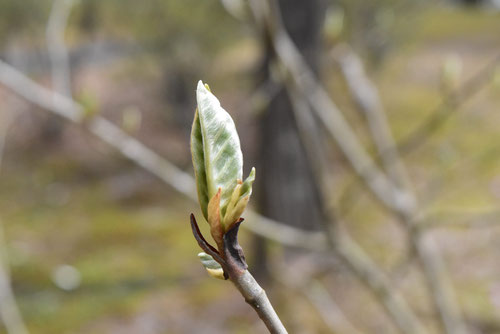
(213,267)
(216,151)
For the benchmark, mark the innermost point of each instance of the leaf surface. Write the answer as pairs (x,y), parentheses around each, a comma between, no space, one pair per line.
(215,149)
(213,268)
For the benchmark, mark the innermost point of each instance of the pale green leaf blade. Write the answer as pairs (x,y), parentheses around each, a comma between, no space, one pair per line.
(213,267)
(235,208)
(246,188)
(197,155)
(221,146)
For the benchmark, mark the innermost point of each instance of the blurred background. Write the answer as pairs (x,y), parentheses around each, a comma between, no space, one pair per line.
(373,125)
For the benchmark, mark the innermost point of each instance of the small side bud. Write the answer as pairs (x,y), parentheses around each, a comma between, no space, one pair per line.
(213,267)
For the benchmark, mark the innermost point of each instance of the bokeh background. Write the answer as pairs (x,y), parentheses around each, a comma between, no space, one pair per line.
(93,243)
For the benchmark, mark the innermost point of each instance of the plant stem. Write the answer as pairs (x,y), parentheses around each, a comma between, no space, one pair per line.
(257,298)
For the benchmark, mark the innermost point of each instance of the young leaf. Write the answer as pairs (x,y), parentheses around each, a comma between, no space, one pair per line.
(213,267)
(215,149)
(238,202)
(199,164)
(214,219)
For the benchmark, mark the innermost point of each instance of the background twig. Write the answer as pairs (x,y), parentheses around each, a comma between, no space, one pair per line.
(59,60)
(9,311)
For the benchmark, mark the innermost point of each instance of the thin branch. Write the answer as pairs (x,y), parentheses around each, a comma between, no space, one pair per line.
(54,34)
(329,310)
(143,156)
(452,102)
(366,96)
(256,297)
(401,201)
(341,245)
(158,166)
(367,99)
(310,137)
(326,110)
(464,219)
(9,311)
(379,284)
(300,277)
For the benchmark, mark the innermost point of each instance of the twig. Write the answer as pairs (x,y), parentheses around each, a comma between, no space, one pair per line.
(300,276)
(257,298)
(158,166)
(342,245)
(143,156)
(371,276)
(464,219)
(401,201)
(444,110)
(9,311)
(61,79)
(326,110)
(230,257)
(330,312)
(348,250)
(368,101)
(366,96)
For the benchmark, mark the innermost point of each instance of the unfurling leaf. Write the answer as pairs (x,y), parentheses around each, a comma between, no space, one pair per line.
(214,219)
(199,164)
(218,164)
(213,267)
(238,202)
(216,151)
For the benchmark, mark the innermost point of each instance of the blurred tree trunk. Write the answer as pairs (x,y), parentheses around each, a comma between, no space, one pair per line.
(288,191)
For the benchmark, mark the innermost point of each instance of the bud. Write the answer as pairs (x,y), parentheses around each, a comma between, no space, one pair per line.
(218,166)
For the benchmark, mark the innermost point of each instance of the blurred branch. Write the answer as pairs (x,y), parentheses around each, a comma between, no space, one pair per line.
(366,97)
(401,201)
(463,219)
(341,245)
(9,311)
(347,249)
(446,108)
(379,284)
(182,182)
(330,312)
(299,276)
(134,150)
(310,137)
(256,297)
(59,60)
(325,109)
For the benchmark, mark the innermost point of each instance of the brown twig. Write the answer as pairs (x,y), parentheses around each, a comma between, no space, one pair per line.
(233,263)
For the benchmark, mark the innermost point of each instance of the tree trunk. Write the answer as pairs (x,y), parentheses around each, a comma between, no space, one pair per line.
(287,188)
(289,192)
